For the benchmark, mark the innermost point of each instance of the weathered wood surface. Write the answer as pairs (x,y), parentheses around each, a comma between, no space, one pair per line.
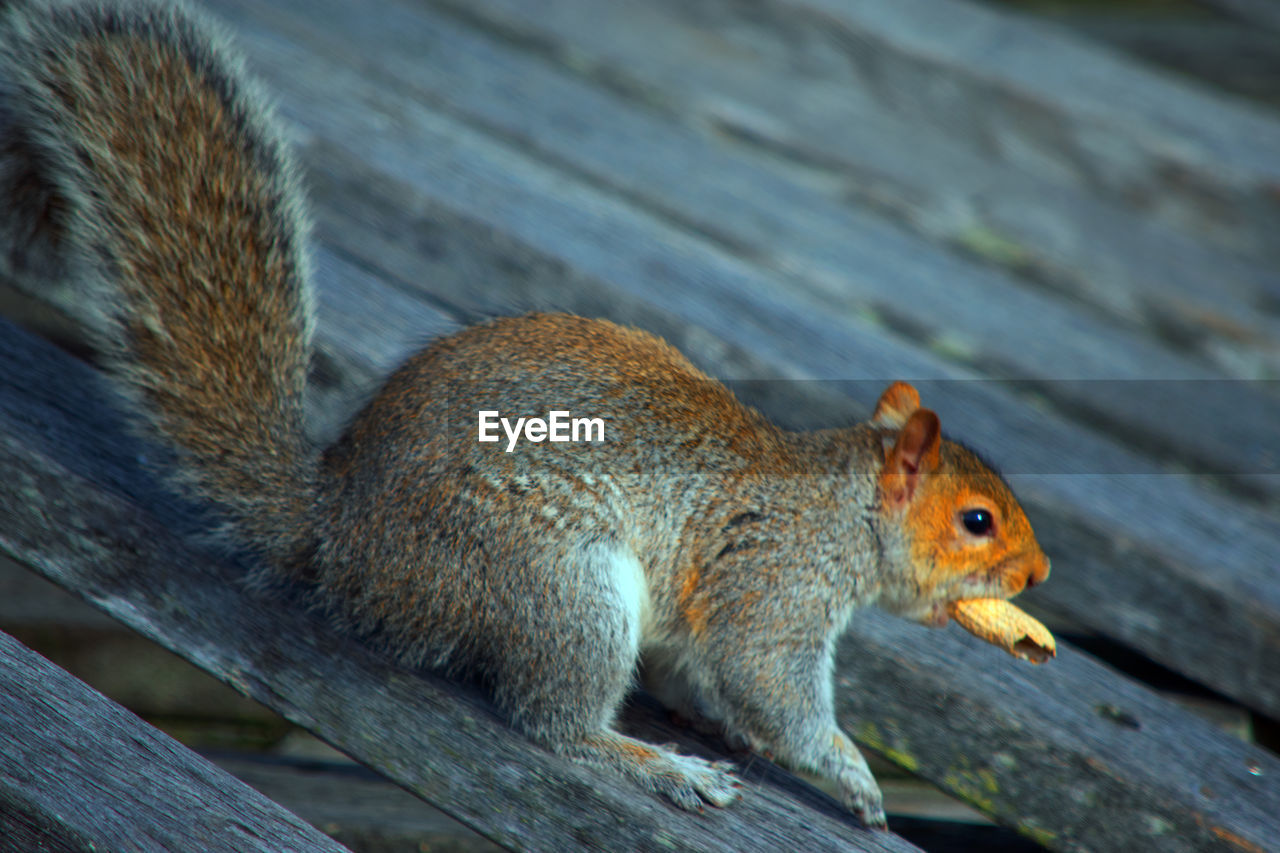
(494,156)
(1233,55)
(1065,744)
(804,95)
(1263,12)
(78,772)
(355,806)
(367,813)
(69,480)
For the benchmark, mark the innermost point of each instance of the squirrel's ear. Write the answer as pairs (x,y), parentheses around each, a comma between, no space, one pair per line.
(896,404)
(913,455)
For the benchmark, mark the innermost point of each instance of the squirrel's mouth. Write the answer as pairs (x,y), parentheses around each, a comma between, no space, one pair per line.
(936,617)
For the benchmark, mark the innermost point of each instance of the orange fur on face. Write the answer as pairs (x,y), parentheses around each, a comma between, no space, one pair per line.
(927,484)
(943,552)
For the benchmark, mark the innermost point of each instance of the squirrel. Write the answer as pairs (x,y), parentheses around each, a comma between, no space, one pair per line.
(729,552)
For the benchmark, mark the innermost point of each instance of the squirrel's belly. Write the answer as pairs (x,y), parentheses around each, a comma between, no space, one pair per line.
(633,593)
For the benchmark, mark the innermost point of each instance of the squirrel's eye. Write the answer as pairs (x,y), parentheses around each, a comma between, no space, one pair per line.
(977,521)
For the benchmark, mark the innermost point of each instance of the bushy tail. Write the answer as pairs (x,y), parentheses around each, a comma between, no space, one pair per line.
(146,155)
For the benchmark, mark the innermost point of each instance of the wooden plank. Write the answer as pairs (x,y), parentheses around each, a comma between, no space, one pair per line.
(79,772)
(1262,12)
(1070,783)
(845,259)
(355,806)
(1046,101)
(28,602)
(367,813)
(79,526)
(1233,56)
(794,101)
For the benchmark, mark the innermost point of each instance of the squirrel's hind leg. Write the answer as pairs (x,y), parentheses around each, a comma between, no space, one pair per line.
(685,780)
(567,696)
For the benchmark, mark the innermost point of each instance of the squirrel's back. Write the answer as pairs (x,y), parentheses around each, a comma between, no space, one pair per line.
(139,150)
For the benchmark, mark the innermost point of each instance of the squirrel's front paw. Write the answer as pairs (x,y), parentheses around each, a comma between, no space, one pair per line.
(861,795)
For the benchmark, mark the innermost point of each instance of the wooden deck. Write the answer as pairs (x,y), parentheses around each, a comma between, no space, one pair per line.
(1074,257)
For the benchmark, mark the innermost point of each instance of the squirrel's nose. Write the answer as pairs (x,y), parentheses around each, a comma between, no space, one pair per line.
(1039,572)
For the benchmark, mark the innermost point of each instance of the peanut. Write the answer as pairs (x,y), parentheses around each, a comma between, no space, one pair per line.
(1001,624)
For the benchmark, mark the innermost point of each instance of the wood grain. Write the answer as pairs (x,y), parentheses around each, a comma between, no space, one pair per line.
(79,772)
